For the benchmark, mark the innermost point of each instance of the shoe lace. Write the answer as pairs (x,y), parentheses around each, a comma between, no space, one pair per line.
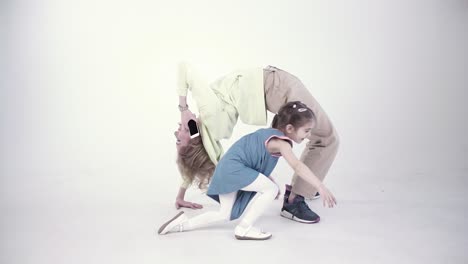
(303,206)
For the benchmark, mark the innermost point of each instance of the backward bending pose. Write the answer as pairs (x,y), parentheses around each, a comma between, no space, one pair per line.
(248,94)
(242,176)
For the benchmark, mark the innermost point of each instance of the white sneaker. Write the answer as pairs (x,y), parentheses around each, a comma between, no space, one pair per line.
(250,233)
(174,225)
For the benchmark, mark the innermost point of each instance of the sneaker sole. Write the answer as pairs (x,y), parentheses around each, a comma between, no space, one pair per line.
(252,238)
(161,229)
(290,216)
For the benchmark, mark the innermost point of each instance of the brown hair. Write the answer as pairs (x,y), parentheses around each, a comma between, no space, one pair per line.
(194,163)
(295,113)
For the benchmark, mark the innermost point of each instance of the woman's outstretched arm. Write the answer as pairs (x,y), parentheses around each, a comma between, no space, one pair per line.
(180,200)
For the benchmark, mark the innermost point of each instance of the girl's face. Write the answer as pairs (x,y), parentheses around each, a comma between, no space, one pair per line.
(299,134)
(182,135)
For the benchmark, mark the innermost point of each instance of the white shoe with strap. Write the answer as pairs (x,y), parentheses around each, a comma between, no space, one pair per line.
(251,233)
(176,224)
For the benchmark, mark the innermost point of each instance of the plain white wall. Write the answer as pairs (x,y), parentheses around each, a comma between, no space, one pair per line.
(88,102)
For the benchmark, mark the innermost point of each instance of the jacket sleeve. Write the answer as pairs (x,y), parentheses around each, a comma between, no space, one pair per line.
(188,79)
(211,109)
(182,79)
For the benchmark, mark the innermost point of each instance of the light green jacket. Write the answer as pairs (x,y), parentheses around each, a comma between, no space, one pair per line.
(220,103)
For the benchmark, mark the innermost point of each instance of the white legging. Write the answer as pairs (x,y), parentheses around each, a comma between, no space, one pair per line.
(266,193)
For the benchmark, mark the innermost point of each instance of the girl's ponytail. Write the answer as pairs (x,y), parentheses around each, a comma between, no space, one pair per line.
(294,113)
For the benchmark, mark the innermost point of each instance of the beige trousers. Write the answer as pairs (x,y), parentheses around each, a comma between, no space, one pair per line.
(282,87)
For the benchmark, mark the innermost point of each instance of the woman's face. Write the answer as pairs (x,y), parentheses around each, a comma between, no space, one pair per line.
(182,136)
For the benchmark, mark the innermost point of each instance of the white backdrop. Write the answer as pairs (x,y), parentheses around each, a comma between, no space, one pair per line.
(88,106)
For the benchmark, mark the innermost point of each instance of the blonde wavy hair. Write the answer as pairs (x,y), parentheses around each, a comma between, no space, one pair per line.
(195,164)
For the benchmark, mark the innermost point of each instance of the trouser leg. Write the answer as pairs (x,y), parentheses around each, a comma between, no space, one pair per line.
(282,87)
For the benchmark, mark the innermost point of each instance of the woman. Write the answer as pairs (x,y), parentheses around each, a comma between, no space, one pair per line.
(248,94)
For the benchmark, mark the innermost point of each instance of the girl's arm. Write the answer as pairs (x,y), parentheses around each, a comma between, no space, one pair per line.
(276,145)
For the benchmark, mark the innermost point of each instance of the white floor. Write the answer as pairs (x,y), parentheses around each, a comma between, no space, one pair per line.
(88,109)
(68,219)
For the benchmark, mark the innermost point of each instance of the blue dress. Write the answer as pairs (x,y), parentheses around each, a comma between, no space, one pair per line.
(241,165)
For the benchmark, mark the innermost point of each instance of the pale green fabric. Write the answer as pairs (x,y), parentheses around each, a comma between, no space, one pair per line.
(237,94)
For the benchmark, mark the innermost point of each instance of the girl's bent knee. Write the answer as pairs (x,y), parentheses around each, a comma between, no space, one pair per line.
(272,191)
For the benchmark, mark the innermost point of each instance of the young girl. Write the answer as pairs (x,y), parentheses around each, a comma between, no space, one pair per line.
(242,175)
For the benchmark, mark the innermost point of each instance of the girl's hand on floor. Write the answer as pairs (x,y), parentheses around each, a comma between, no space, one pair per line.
(327,197)
(182,203)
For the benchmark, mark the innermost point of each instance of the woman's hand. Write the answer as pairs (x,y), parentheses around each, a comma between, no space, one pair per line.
(182,203)
(327,197)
